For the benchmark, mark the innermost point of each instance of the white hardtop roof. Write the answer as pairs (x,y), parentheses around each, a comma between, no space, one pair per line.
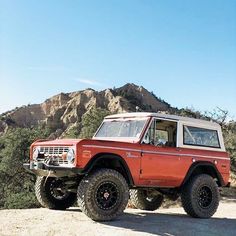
(163,116)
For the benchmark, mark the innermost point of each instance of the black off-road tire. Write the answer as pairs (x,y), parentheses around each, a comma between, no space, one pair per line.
(140,199)
(103,195)
(200,196)
(44,193)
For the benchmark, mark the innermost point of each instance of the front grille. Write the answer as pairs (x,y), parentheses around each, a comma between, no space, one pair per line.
(53,154)
(53,151)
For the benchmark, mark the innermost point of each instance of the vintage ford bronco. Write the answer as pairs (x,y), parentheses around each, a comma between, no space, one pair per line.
(141,156)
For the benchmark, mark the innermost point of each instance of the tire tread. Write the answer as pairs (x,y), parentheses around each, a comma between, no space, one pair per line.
(46,201)
(85,193)
(187,196)
(138,199)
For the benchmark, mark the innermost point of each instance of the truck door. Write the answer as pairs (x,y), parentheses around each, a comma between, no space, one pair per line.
(160,160)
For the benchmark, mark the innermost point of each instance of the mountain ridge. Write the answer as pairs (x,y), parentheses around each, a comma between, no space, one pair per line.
(64,110)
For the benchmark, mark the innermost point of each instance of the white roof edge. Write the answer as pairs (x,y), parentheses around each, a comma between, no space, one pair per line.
(164,116)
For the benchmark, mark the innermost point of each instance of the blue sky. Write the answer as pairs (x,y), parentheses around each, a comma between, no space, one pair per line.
(184,51)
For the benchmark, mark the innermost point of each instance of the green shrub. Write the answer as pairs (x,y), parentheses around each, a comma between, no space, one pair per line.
(21,200)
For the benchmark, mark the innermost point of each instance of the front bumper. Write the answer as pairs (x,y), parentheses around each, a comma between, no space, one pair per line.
(43,169)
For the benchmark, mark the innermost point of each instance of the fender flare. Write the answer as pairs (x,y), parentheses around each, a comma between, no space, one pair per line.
(203,164)
(95,159)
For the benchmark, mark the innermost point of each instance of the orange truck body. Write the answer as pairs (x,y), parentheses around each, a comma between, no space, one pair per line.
(148,165)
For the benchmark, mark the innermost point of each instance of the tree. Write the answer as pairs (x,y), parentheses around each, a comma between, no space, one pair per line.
(73,131)
(17,185)
(218,115)
(91,121)
(229,132)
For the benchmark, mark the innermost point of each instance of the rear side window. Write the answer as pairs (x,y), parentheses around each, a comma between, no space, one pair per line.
(201,137)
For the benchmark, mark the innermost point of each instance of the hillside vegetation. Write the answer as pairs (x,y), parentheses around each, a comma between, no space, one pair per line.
(76,115)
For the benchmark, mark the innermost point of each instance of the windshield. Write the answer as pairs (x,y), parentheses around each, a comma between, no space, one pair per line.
(118,128)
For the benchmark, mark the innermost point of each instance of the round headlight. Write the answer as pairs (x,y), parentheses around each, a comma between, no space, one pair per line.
(70,156)
(36,151)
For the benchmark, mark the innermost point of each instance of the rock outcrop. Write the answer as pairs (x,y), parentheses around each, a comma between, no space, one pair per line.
(65,109)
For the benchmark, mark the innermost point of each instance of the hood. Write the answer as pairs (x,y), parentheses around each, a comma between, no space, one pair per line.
(57,142)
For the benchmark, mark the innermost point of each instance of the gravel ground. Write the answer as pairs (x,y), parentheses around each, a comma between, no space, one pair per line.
(166,222)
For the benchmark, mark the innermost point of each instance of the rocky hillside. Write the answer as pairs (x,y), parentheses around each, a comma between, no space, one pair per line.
(66,109)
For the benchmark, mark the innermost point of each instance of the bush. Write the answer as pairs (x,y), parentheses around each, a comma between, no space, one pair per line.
(21,200)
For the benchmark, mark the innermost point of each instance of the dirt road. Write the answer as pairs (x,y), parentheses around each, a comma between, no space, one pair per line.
(165,222)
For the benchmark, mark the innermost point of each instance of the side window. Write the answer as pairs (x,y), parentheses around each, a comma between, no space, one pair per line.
(201,137)
(161,133)
(149,137)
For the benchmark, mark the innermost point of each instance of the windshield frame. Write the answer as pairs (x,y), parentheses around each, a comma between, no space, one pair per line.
(134,139)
